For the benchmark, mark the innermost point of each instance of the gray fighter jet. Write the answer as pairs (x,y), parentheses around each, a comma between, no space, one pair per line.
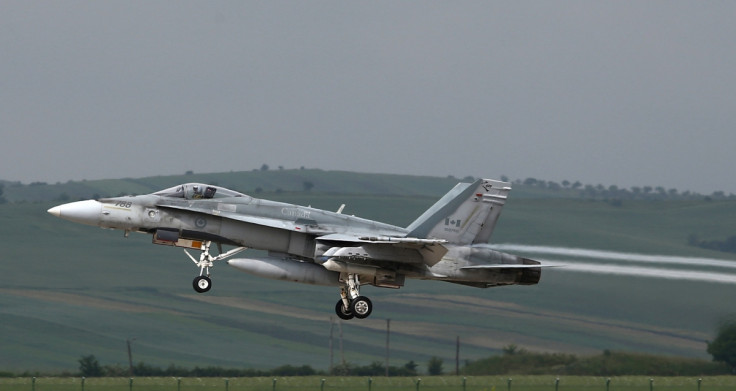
(449,242)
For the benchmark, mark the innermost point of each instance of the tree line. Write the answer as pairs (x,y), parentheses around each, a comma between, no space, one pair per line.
(512,360)
(614,193)
(89,366)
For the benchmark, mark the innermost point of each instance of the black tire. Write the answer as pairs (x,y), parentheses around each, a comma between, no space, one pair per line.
(361,307)
(341,312)
(202,284)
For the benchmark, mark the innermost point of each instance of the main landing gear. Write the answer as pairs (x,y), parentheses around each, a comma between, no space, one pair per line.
(203,283)
(351,303)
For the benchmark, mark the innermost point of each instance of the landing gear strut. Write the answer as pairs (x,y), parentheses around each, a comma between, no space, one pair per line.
(351,303)
(203,283)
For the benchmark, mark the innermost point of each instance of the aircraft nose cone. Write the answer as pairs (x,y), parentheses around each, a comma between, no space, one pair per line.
(84,212)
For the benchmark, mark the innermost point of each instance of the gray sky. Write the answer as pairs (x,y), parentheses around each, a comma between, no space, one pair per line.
(617,93)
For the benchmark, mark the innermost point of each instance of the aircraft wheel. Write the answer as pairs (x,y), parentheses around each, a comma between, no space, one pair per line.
(361,306)
(202,284)
(341,312)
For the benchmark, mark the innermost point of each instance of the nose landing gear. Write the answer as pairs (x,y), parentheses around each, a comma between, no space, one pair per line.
(203,283)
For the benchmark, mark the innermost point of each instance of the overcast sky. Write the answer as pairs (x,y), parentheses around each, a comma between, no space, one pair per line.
(618,93)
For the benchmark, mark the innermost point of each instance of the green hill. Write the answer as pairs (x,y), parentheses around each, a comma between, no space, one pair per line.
(70,290)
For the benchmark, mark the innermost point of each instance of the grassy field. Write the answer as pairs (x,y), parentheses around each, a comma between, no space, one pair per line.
(72,290)
(434,383)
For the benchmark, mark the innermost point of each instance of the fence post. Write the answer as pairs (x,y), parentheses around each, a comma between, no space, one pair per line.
(509,385)
(178,384)
(465,379)
(418,381)
(130,384)
(274,384)
(370,383)
(33,384)
(227,384)
(322,385)
(699,381)
(557,384)
(651,384)
(608,384)
(82,383)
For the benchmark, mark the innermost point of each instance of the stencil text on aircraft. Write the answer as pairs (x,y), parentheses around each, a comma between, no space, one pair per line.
(294,212)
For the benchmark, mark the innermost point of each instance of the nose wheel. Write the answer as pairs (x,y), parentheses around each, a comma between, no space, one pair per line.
(203,283)
(352,304)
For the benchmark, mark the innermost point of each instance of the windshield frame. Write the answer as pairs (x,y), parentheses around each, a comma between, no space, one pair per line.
(198,191)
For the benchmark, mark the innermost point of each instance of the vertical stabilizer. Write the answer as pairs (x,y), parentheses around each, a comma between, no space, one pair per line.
(467,214)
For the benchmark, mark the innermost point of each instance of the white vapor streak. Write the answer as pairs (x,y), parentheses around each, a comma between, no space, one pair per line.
(617,256)
(639,271)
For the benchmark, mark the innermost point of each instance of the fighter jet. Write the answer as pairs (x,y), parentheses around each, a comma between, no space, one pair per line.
(448,242)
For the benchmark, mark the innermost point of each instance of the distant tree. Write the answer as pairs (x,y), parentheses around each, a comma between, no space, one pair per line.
(577,185)
(512,349)
(566,183)
(2,191)
(308,185)
(89,366)
(264,167)
(411,368)
(718,194)
(589,191)
(504,178)
(290,370)
(434,367)
(723,348)
(190,172)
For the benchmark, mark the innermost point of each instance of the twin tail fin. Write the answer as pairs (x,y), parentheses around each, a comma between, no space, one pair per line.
(466,215)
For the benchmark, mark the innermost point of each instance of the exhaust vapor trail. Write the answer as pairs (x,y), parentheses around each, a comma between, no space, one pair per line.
(651,272)
(616,256)
(641,265)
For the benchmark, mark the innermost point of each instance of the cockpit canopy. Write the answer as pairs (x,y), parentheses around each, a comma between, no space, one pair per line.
(198,191)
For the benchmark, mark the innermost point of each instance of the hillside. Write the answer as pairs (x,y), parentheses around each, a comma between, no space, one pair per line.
(72,290)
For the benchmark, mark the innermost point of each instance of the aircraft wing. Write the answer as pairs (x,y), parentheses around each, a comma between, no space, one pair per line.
(407,242)
(503,266)
(428,251)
